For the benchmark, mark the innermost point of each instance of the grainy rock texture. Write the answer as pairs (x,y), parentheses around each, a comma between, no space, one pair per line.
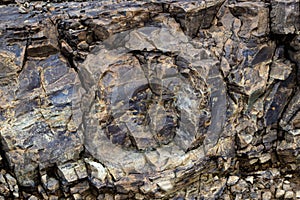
(154,99)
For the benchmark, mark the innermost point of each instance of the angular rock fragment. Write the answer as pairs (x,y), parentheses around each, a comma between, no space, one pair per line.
(285,16)
(280,70)
(72,172)
(195,16)
(265,54)
(254,17)
(50,183)
(43,41)
(274,108)
(13,186)
(97,170)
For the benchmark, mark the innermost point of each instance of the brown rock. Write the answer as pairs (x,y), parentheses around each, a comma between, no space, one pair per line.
(149,99)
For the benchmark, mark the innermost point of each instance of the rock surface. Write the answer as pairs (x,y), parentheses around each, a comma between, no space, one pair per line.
(153,99)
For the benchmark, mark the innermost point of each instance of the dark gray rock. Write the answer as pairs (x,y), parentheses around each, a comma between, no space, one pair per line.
(285,16)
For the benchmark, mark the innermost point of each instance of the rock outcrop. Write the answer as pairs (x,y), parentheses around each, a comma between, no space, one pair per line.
(150,99)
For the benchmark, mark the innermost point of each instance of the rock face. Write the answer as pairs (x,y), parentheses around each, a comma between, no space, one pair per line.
(150,99)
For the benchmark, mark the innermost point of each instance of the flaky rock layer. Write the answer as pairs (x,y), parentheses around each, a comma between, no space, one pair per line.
(150,99)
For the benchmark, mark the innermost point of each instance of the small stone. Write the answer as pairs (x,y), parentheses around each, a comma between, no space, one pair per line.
(75,25)
(13,186)
(226,197)
(2,179)
(254,195)
(23,10)
(89,196)
(97,183)
(100,32)
(216,178)
(4,188)
(53,197)
(253,161)
(139,196)
(232,180)
(77,197)
(288,176)
(279,193)
(280,70)
(109,197)
(250,179)
(241,186)
(83,45)
(275,172)
(89,38)
(38,6)
(289,195)
(239,197)
(66,48)
(245,139)
(42,192)
(148,187)
(52,184)
(80,188)
(97,169)
(270,137)
(264,158)
(11,181)
(298,194)
(121,196)
(279,184)
(100,196)
(267,195)
(80,170)
(286,186)
(260,186)
(272,187)
(73,171)
(68,174)
(26,195)
(32,197)
(82,36)
(165,185)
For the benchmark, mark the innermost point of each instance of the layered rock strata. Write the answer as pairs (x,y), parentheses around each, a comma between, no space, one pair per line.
(150,99)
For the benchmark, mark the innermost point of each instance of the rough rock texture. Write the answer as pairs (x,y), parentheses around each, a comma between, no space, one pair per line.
(153,99)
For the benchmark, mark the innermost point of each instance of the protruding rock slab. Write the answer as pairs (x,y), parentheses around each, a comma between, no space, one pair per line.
(139,92)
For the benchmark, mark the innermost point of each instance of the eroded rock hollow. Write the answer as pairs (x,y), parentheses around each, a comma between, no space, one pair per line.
(150,99)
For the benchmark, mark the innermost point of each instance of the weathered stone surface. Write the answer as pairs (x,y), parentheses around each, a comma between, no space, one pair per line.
(285,16)
(72,172)
(149,99)
(232,180)
(279,193)
(97,173)
(254,18)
